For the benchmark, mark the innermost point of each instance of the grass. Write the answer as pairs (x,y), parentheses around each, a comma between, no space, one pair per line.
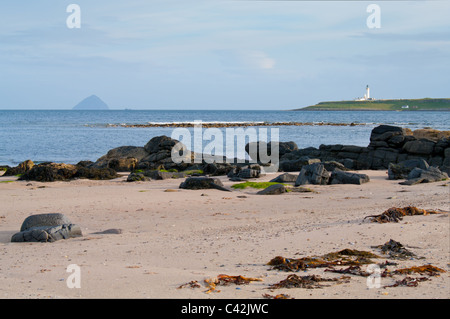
(384,105)
(7,181)
(257,185)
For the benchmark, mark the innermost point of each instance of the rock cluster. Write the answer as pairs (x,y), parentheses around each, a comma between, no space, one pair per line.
(388,144)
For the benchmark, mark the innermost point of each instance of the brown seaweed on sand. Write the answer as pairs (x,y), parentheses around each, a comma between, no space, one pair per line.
(356,270)
(408,282)
(308,282)
(344,257)
(395,214)
(225,280)
(429,270)
(396,250)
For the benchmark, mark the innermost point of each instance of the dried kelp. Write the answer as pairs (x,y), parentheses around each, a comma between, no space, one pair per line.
(396,250)
(225,280)
(429,270)
(279,296)
(408,282)
(356,270)
(345,257)
(395,214)
(308,282)
(191,284)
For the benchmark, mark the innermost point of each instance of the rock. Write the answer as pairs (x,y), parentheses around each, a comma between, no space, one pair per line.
(39,220)
(245,172)
(378,133)
(432,174)
(160,143)
(402,169)
(46,228)
(137,177)
(203,183)
(217,169)
(430,134)
(19,169)
(296,164)
(50,172)
(332,165)
(121,159)
(283,148)
(274,189)
(314,174)
(341,177)
(422,146)
(285,178)
(96,173)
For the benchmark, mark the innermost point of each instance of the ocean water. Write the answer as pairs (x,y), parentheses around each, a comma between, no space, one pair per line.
(69,136)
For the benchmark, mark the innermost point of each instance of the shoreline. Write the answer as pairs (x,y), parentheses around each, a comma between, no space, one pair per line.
(172,236)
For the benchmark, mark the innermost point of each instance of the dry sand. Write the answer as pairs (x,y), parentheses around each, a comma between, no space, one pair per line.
(170,238)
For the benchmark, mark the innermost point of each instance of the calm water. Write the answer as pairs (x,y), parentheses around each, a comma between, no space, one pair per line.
(71,136)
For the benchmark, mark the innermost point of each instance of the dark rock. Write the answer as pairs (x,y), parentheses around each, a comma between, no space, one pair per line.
(203,183)
(160,143)
(39,220)
(46,228)
(121,159)
(432,174)
(402,169)
(96,173)
(137,177)
(422,146)
(47,233)
(378,132)
(274,189)
(314,174)
(296,164)
(19,169)
(341,177)
(285,178)
(332,165)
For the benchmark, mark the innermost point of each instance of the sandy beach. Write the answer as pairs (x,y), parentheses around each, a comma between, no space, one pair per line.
(170,237)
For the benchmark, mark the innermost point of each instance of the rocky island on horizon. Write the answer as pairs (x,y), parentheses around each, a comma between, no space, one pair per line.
(92,102)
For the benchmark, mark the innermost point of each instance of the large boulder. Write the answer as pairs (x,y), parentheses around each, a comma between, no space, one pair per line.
(121,159)
(274,189)
(203,183)
(342,177)
(422,147)
(402,169)
(50,172)
(19,169)
(284,178)
(314,174)
(46,228)
(430,175)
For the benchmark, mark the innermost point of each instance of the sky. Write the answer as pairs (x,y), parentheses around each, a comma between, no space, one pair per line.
(220,54)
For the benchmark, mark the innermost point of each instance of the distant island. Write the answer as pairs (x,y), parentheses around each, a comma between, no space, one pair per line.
(92,102)
(427,104)
(368,103)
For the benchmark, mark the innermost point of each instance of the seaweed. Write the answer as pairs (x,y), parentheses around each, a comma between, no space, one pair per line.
(279,296)
(408,282)
(191,284)
(225,280)
(345,257)
(429,270)
(308,282)
(396,250)
(395,214)
(356,270)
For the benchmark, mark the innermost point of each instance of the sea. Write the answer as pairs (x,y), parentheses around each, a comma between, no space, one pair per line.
(69,136)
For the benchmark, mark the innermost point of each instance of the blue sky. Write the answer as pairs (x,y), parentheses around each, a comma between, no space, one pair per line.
(230,54)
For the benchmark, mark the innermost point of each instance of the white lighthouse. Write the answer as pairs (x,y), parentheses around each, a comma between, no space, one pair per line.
(366,96)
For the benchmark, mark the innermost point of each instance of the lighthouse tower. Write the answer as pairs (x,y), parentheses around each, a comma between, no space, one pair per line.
(367,93)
